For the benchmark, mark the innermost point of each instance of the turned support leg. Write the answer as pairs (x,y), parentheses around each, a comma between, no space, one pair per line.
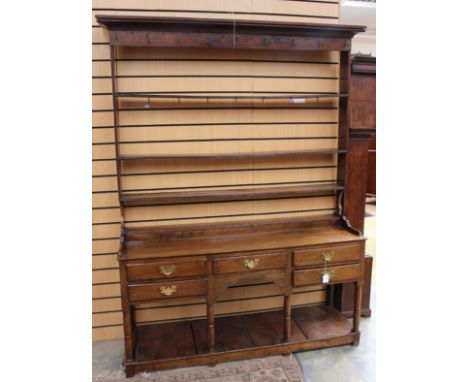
(129,332)
(211,327)
(357,310)
(128,322)
(287,318)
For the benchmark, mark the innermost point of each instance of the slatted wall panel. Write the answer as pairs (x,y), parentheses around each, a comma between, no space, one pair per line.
(164,126)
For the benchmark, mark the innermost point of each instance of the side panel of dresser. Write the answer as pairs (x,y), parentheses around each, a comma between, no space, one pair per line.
(361,167)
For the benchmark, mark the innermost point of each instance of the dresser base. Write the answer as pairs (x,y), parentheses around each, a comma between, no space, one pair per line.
(184,343)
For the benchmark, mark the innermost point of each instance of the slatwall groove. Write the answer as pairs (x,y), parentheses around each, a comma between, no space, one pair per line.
(115,283)
(234,85)
(108,247)
(224,201)
(217,140)
(158,126)
(218,60)
(106,298)
(239,15)
(214,59)
(218,12)
(215,171)
(217,76)
(186,188)
(229,216)
(225,124)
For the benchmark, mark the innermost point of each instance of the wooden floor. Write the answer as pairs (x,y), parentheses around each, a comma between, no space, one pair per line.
(188,338)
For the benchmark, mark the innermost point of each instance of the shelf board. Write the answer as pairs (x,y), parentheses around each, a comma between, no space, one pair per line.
(186,197)
(264,154)
(323,324)
(290,97)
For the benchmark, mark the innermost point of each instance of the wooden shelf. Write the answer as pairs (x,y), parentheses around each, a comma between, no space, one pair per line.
(186,197)
(264,154)
(293,98)
(311,327)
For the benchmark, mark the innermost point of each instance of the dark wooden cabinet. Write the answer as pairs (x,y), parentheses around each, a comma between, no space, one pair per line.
(372,167)
(362,166)
(166,263)
(362,99)
(362,94)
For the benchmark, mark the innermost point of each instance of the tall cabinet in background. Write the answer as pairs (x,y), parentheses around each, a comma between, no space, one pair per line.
(363,110)
(361,167)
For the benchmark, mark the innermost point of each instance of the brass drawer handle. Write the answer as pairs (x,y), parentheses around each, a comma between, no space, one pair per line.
(167,270)
(168,290)
(251,263)
(328,256)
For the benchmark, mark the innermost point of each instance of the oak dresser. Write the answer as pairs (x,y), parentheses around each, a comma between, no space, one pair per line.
(166,263)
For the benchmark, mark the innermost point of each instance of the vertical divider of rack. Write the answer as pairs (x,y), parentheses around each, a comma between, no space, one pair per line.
(343,122)
(115,111)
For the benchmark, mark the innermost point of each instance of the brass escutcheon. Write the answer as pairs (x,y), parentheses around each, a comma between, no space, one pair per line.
(168,290)
(167,270)
(251,263)
(327,256)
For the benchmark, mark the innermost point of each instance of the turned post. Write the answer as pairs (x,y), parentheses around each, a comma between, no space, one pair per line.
(210,301)
(287,318)
(211,327)
(357,309)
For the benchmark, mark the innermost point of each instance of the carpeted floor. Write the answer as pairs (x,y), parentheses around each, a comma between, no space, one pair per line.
(270,369)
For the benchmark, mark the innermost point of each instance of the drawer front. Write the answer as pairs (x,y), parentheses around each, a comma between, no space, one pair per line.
(169,289)
(337,274)
(165,270)
(328,254)
(250,263)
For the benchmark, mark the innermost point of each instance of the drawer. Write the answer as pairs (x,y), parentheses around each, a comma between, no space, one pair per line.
(165,270)
(334,254)
(337,274)
(248,263)
(169,289)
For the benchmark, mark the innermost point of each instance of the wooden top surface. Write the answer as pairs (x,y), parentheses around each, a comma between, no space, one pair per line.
(114,22)
(146,243)
(363,64)
(226,33)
